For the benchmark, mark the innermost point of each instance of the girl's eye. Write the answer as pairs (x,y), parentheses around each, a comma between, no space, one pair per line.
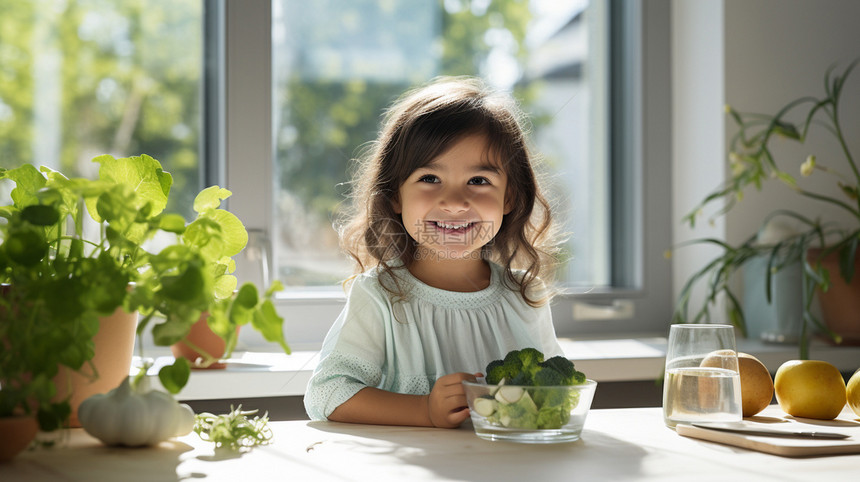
(429,178)
(480,181)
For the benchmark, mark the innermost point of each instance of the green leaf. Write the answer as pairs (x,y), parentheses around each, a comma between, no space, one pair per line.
(174,377)
(28,182)
(849,191)
(64,298)
(786,129)
(218,234)
(219,323)
(142,175)
(247,296)
(26,246)
(847,256)
(172,223)
(74,355)
(143,214)
(243,304)
(225,285)
(8,211)
(115,207)
(52,415)
(786,178)
(210,198)
(200,232)
(175,327)
(40,215)
(185,286)
(270,325)
(274,288)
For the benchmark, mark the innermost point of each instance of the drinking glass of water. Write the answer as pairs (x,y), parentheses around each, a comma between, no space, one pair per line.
(702,383)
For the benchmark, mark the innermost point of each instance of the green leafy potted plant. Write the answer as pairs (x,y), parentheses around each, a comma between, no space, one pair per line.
(58,280)
(814,241)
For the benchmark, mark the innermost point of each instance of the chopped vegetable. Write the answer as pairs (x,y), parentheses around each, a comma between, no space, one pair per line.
(540,407)
(485,406)
(234,430)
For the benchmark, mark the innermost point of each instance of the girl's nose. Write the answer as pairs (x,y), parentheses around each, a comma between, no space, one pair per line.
(454,202)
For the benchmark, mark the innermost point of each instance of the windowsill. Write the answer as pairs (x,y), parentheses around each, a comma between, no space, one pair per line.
(257,374)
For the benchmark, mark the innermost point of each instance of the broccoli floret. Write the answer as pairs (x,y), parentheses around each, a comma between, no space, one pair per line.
(565,367)
(521,414)
(520,366)
(560,364)
(552,417)
(547,377)
(513,362)
(495,372)
(549,397)
(530,357)
(522,378)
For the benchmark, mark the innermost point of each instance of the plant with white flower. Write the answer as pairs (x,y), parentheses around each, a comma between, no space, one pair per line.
(752,162)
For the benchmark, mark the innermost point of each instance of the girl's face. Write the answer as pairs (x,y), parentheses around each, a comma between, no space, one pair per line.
(454,205)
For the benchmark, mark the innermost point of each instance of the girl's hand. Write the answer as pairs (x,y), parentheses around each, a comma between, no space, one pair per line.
(446,404)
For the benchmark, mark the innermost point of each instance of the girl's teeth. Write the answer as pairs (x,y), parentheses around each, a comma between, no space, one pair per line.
(451,226)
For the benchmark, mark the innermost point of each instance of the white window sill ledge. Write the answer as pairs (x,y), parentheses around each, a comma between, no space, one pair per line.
(254,374)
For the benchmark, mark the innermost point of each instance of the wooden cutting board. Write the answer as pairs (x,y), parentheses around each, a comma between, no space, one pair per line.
(787,447)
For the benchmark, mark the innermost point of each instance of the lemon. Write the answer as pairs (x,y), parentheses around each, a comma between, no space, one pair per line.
(810,389)
(852,392)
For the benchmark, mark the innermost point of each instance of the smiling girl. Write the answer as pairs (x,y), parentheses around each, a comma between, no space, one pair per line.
(451,237)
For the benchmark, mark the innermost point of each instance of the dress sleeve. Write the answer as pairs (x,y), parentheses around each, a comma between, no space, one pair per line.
(353,351)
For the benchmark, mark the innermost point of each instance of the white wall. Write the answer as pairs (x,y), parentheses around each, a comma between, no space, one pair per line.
(756,55)
(698,147)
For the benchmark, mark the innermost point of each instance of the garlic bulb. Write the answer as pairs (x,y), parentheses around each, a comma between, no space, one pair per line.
(134,416)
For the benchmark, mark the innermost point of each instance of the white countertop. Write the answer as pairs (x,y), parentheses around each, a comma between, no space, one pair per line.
(616,444)
(253,374)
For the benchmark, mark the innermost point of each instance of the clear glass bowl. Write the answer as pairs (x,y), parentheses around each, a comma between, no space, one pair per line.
(529,414)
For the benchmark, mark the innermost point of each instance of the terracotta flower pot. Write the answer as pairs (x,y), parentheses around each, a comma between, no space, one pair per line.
(201,336)
(17,432)
(840,305)
(114,347)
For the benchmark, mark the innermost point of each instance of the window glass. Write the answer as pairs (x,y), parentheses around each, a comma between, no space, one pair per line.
(338,63)
(80,78)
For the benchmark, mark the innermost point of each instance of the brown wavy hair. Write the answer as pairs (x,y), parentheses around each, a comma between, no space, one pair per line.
(421,125)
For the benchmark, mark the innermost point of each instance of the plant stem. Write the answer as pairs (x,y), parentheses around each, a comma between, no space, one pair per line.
(207,358)
(845,149)
(819,197)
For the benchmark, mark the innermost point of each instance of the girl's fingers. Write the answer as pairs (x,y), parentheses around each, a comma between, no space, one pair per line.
(458,417)
(456,379)
(456,401)
(452,391)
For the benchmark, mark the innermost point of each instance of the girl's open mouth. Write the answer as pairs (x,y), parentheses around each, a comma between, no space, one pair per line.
(451,227)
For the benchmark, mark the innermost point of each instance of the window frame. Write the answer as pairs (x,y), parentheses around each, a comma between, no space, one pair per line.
(239,153)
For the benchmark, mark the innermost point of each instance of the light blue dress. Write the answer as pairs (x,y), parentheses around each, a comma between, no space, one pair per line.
(406,346)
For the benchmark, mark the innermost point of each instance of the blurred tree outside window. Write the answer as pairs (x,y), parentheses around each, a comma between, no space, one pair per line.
(337,64)
(80,78)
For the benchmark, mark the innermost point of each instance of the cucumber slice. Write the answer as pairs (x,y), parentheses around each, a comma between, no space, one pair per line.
(494,388)
(485,406)
(509,394)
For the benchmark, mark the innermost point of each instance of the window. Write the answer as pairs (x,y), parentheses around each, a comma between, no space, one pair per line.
(273,98)
(80,78)
(338,64)
(619,283)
